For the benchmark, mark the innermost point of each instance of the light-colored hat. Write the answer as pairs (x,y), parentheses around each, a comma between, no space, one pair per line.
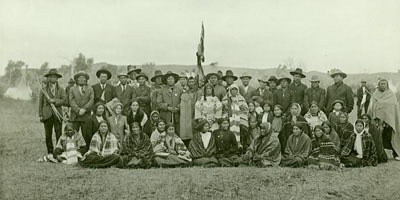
(132,68)
(245,75)
(315,78)
(335,72)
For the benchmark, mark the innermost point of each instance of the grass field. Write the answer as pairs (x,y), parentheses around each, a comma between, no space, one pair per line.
(22,143)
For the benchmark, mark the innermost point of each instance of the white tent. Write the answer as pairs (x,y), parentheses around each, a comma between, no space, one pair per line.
(22,91)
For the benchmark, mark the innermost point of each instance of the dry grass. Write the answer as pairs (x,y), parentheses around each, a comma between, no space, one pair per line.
(22,142)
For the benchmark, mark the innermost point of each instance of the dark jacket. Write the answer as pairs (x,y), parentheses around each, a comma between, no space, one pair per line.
(78,101)
(360,95)
(109,93)
(125,97)
(142,95)
(90,127)
(244,93)
(45,110)
(283,98)
(266,95)
(226,143)
(342,92)
(298,92)
(314,94)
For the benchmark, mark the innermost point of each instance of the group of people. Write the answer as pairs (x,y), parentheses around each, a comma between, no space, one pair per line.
(172,120)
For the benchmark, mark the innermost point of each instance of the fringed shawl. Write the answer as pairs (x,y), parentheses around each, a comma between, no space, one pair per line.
(197,150)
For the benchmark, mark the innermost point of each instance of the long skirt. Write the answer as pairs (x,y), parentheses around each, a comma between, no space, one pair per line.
(230,161)
(351,161)
(135,162)
(206,162)
(293,161)
(380,151)
(170,161)
(93,160)
(387,140)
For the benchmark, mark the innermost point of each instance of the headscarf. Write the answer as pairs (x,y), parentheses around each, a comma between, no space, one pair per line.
(201,124)
(151,115)
(267,127)
(358,147)
(232,87)
(294,117)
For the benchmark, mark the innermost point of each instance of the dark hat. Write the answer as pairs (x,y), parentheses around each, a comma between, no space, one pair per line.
(122,74)
(363,81)
(168,74)
(338,101)
(285,78)
(315,78)
(132,68)
(53,72)
(142,74)
(105,72)
(81,73)
(229,73)
(335,72)
(245,75)
(212,74)
(157,73)
(273,78)
(299,72)
(71,80)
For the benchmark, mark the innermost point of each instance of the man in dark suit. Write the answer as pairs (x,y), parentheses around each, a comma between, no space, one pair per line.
(339,91)
(124,92)
(262,91)
(283,96)
(57,97)
(314,93)
(81,98)
(245,89)
(298,88)
(103,92)
(363,98)
(273,84)
(142,93)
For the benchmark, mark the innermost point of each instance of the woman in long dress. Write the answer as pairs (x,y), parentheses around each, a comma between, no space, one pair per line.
(137,151)
(208,107)
(265,150)
(103,150)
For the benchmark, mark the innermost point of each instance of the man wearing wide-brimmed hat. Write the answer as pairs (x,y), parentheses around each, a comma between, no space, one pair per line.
(103,92)
(124,92)
(298,88)
(57,97)
(170,100)
(339,91)
(283,96)
(81,99)
(314,93)
(273,84)
(229,78)
(155,89)
(363,98)
(262,91)
(245,88)
(142,93)
(133,71)
(219,91)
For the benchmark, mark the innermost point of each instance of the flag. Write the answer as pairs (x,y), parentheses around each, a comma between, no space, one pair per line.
(200,54)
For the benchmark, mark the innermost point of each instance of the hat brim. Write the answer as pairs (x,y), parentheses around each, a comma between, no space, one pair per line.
(57,74)
(287,79)
(294,73)
(234,78)
(245,77)
(146,77)
(119,75)
(109,75)
(212,74)
(315,81)
(153,79)
(81,74)
(165,77)
(134,70)
(344,75)
(337,101)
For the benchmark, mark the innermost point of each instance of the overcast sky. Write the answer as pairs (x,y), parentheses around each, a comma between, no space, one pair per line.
(356,36)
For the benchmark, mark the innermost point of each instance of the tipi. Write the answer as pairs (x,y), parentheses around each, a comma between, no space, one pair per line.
(22,91)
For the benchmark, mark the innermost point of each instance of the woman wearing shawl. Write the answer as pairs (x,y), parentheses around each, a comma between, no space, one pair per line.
(343,128)
(297,149)
(208,107)
(70,146)
(265,150)
(377,136)
(324,154)
(227,147)
(137,151)
(118,124)
(384,110)
(235,107)
(103,151)
(359,149)
(293,118)
(331,133)
(136,114)
(253,132)
(151,124)
(202,147)
(169,149)
(315,116)
(91,125)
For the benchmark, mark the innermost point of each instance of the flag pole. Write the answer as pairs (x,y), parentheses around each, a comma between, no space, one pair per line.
(200,54)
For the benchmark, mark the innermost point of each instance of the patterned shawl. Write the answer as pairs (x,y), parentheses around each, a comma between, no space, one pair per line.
(69,147)
(197,150)
(369,150)
(109,145)
(323,150)
(298,146)
(315,120)
(137,148)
